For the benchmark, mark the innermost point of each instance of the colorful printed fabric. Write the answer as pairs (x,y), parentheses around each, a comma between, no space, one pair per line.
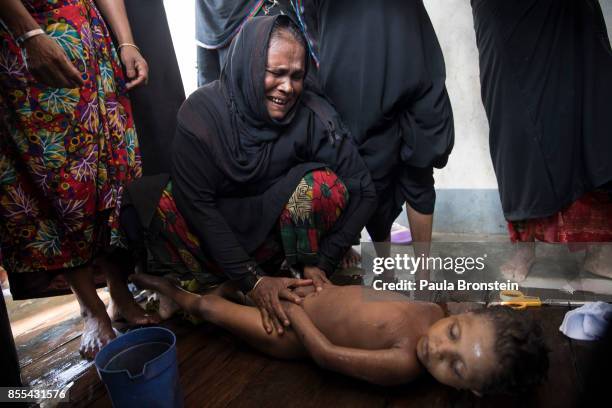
(312,210)
(65,154)
(588,219)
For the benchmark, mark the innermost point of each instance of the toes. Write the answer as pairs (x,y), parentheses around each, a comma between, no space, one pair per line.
(154,318)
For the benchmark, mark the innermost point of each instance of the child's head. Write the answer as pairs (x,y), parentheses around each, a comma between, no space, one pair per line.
(490,350)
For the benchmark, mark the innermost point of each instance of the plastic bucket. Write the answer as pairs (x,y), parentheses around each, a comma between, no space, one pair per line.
(140,369)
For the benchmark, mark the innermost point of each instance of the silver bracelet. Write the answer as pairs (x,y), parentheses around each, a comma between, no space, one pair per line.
(257,283)
(27,35)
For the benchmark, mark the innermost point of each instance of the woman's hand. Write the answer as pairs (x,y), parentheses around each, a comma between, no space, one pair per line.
(49,64)
(136,68)
(317,276)
(267,297)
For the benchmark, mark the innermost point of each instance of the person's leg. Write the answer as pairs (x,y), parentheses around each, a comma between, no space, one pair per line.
(420,228)
(522,234)
(379,228)
(122,303)
(243,321)
(598,259)
(97,329)
(417,186)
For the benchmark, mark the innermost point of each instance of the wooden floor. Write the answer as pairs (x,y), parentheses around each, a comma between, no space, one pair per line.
(217,370)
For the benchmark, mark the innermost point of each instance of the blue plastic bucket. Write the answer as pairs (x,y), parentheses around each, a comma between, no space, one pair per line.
(140,369)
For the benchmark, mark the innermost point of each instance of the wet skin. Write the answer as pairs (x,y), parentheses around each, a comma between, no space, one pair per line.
(456,350)
(459,351)
(376,336)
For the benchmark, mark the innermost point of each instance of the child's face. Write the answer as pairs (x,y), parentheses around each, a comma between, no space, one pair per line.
(459,351)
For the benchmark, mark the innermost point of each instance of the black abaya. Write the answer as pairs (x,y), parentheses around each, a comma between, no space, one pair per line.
(155,105)
(546,74)
(381,65)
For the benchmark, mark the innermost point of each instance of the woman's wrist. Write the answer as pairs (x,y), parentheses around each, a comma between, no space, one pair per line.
(128,44)
(20,40)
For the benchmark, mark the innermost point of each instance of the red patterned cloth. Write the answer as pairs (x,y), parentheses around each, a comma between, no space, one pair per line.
(312,210)
(65,154)
(588,219)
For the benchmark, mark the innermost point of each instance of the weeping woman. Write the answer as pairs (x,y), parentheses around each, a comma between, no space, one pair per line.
(262,172)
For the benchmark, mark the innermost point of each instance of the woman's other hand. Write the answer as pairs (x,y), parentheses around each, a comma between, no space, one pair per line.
(49,64)
(136,67)
(317,276)
(267,296)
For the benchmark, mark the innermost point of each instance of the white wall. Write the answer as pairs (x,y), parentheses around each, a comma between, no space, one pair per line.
(181,19)
(469,165)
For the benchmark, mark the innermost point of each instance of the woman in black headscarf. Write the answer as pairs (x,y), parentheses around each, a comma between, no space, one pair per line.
(261,172)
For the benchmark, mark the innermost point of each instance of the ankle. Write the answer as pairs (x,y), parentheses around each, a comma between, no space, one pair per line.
(97,311)
(204,307)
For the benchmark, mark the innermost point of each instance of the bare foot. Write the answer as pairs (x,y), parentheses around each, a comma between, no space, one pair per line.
(97,332)
(167,307)
(351,259)
(517,268)
(122,307)
(122,304)
(155,283)
(598,260)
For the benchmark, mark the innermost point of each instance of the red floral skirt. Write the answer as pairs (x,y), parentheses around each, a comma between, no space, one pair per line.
(588,219)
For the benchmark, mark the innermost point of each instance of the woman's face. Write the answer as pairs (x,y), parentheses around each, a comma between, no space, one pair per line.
(459,351)
(285,71)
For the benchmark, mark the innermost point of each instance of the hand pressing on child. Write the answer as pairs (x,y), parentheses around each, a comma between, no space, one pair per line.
(267,296)
(317,276)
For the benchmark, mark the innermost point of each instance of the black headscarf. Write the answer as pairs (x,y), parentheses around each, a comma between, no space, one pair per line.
(247,146)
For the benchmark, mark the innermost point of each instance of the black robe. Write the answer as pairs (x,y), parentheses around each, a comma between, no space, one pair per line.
(217,21)
(155,105)
(546,74)
(234,168)
(382,66)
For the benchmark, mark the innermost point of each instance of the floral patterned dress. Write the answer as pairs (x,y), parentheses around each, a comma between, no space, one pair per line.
(312,211)
(65,154)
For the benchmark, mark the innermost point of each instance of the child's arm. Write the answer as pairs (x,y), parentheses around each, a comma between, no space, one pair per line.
(392,366)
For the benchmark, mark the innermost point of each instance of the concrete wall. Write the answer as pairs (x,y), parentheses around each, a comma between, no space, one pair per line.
(467,196)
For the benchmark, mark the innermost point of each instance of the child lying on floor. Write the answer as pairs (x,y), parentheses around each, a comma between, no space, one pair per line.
(382,338)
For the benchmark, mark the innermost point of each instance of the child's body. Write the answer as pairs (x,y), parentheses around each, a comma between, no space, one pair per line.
(377,336)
